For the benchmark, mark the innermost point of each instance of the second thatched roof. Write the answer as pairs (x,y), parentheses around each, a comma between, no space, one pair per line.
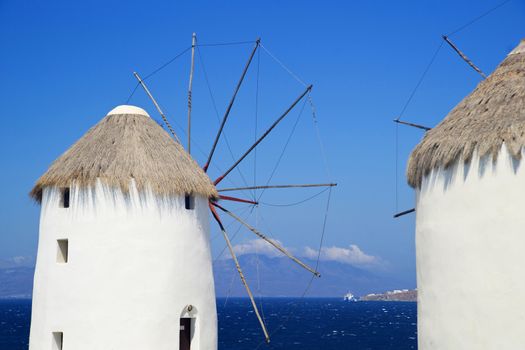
(493,114)
(127,144)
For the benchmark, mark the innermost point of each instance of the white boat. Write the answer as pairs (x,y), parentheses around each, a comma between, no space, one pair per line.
(349,297)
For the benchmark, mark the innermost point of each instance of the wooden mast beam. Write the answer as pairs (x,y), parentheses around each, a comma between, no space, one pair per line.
(227,113)
(273,243)
(168,125)
(426,128)
(235,199)
(190,86)
(239,270)
(275,186)
(464,57)
(404,213)
(220,178)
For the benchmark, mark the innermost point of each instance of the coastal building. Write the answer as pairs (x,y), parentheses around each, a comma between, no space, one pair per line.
(123,256)
(469,176)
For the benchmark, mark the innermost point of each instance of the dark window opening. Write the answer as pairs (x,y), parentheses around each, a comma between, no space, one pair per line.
(58,340)
(64,197)
(189,202)
(62,250)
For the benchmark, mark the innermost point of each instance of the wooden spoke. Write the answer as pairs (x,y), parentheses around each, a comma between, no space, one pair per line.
(235,199)
(190,87)
(275,186)
(141,82)
(273,243)
(227,113)
(219,179)
(239,270)
(426,128)
(404,212)
(464,57)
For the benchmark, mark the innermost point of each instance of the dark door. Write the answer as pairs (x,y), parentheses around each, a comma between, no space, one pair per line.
(185,334)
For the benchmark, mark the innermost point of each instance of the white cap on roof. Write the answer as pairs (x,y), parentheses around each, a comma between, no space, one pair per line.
(128,109)
(519,49)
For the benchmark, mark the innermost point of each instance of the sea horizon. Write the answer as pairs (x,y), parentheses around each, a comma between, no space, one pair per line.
(293,323)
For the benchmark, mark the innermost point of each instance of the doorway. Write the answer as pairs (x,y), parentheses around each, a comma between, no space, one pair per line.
(185,334)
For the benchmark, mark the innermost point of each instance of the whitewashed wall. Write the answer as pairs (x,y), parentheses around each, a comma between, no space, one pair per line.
(135,264)
(470,242)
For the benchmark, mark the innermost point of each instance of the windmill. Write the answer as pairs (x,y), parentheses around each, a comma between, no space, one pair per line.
(216,205)
(124,235)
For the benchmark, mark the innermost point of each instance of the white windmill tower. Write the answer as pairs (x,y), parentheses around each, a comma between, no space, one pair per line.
(469,177)
(124,258)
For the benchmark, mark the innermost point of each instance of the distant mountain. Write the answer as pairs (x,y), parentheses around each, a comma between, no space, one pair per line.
(267,276)
(279,276)
(16,282)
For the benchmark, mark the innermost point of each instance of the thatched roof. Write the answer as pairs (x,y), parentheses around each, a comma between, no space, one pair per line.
(127,144)
(493,114)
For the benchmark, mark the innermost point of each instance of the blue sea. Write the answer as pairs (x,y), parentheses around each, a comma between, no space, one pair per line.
(305,324)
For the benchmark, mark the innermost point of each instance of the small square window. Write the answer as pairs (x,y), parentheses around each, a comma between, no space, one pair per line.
(62,250)
(58,340)
(64,197)
(189,202)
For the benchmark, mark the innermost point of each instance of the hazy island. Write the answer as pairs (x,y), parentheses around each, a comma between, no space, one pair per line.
(394,295)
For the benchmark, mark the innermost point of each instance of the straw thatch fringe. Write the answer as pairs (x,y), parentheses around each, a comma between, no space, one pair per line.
(493,114)
(122,147)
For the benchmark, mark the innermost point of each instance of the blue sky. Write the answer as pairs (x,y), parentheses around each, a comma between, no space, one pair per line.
(65,64)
